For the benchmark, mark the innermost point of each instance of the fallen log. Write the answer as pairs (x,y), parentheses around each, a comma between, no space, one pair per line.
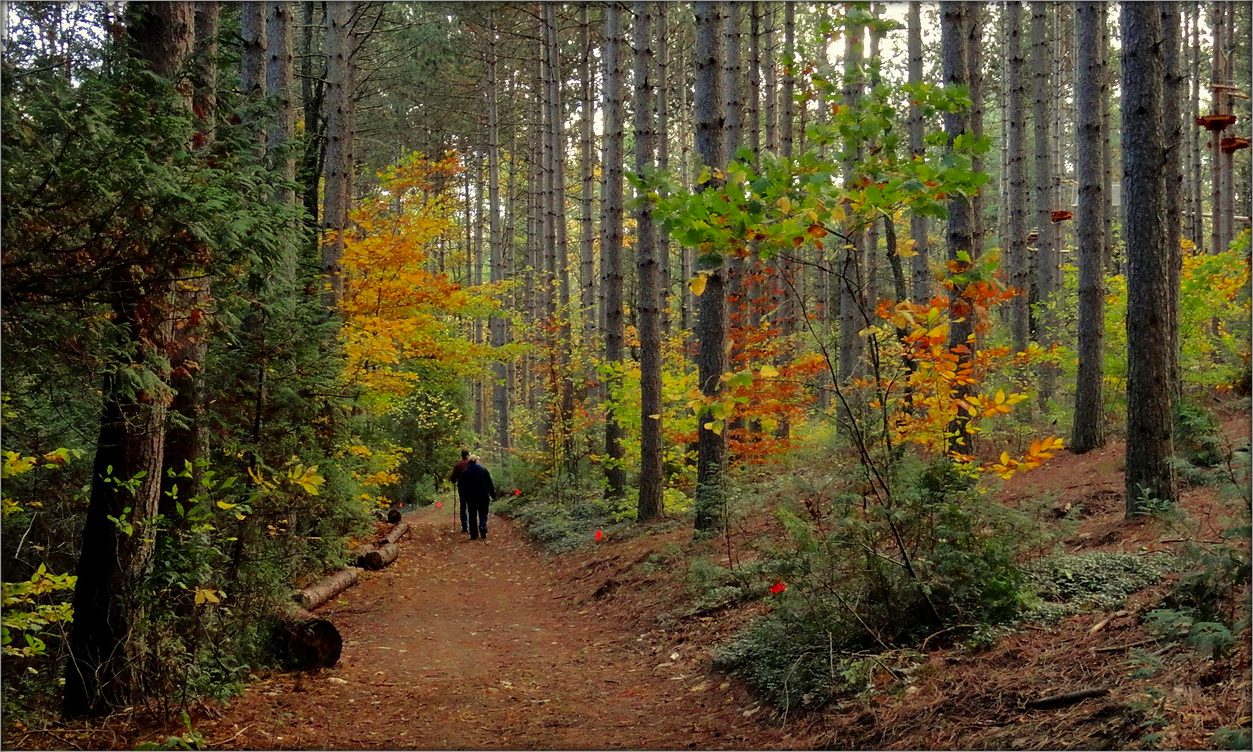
(327,588)
(1066,698)
(396,534)
(308,641)
(377,558)
(393,516)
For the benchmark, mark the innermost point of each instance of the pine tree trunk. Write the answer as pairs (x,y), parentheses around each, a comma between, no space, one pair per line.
(103,671)
(252,33)
(787,313)
(185,438)
(1149,472)
(663,152)
(1088,431)
(1197,232)
(1107,148)
(1019,262)
(587,268)
(1173,133)
(711,325)
(651,481)
(852,274)
(611,233)
(1046,244)
(496,325)
(339,107)
(920,272)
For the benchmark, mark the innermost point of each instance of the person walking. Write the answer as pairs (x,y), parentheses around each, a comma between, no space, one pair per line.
(457,470)
(475,485)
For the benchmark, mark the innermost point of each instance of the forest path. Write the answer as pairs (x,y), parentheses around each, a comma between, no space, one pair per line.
(466,644)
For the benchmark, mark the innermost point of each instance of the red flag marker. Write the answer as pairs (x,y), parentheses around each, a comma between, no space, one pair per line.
(599,535)
(517,492)
(439,504)
(778,587)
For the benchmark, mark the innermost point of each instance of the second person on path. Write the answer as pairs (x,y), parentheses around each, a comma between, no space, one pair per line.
(475,485)
(457,470)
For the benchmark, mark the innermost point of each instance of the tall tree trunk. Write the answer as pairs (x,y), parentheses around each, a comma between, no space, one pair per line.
(278,88)
(974,78)
(252,32)
(1174,143)
(711,326)
(955,68)
(1107,149)
(652,481)
(1088,431)
(733,109)
(587,268)
(770,62)
(496,326)
(919,269)
(1019,262)
(787,303)
(1149,472)
(1197,225)
(340,90)
(663,151)
(312,86)
(105,653)
(185,438)
(611,233)
(853,272)
(1046,244)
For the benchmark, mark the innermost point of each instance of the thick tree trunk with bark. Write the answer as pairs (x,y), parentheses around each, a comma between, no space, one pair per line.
(252,32)
(711,326)
(651,481)
(1173,133)
(496,326)
(920,272)
(1088,431)
(852,276)
(1046,230)
(339,108)
(611,232)
(105,651)
(185,438)
(1149,472)
(1019,262)
(587,269)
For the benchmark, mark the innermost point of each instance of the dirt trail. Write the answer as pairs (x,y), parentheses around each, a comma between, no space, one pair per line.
(473,645)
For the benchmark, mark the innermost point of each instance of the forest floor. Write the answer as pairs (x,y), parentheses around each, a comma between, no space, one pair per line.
(494,645)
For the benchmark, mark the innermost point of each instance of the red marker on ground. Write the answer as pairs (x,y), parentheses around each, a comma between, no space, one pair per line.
(599,535)
(778,587)
(439,504)
(517,492)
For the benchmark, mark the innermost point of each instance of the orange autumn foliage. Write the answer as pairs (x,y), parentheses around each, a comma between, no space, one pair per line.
(396,308)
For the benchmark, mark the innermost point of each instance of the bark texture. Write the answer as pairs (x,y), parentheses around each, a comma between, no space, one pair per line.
(1149,473)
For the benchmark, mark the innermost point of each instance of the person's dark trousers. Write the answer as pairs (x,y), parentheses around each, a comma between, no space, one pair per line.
(464,527)
(478,519)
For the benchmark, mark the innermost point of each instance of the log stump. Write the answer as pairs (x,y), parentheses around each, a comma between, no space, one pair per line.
(377,558)
(308,641)
(327,588)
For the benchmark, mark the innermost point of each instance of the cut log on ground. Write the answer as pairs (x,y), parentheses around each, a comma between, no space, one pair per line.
(377,558)
(1066,698)
(396,534)
(393,516)
(308,641)
(327,588)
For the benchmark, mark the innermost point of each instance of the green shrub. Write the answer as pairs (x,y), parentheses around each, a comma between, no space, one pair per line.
(1099,580)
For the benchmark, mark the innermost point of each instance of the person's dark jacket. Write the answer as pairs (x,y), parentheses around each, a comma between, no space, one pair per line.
(458,469)
(475,484)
